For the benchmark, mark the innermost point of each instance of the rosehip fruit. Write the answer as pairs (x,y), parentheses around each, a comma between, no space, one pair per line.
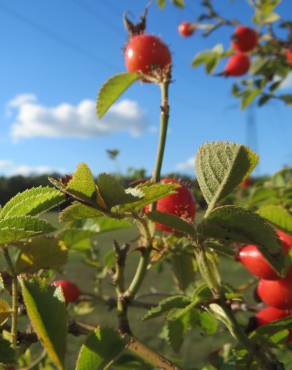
(251,257)
(181,204)
(237,65)
(289,56)
(277,293)
(146,54)
(269,314)
(70,290)
(244,39)
(186,29)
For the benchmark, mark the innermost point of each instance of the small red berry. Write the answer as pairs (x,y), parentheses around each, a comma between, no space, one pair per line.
(186,29)
(251,257)
(181,204)
(289,56)
(146,54)
(244,39)
(276,293)
(237,65)
(70,290)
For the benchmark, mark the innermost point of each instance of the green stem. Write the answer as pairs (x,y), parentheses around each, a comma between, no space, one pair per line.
(14,297)
(150,356)
(164,117)
(139,275)
(144,260)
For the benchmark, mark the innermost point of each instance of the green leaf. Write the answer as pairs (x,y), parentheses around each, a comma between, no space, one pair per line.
(112,192)
(47,312)
(231,223)
(220,315)
(5,311)
(184,269)
(32,202)
(160,3)
(208,267)
(77,239)
(286,98)
(177,301)
(210,58)
(82,183)
(275,326)
(265,98)
(173,222)
(112,90)
(18,228)
(208,322)
(150,193)
(175,334)
(41,253)
(7,354)
(78,211)
(179,3)
(221,166)
(100,349)
(248,97)
(277,215)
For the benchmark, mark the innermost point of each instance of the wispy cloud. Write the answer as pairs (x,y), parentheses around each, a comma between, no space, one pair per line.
(9,168)
(32,119)
(187,165)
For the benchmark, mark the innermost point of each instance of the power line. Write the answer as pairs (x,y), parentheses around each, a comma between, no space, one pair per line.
(56,37)
(105,21)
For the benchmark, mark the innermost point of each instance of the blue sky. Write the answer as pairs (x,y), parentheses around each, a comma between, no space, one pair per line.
(55,57)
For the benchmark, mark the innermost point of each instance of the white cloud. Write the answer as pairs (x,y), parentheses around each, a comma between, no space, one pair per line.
(187,165)
(9,168)
(67,120)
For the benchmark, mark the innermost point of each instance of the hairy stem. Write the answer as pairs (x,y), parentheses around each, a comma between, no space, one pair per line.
(14,297)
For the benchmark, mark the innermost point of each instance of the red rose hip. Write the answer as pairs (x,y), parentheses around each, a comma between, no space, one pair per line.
(276,293)
(146,53)
(186,29)
(237,65)
(251,257)
(181,204)
(70,290)
(270,314)
(245,39)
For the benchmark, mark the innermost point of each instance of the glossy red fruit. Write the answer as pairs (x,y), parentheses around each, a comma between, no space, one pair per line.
(146,53)
(269,314)
(237,65)
(289,56)
(70,290)
(244,39)
(181,204)
(186,29)
(276,293)
(254,261)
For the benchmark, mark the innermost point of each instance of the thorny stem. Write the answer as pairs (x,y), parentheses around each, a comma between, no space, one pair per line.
(14,297)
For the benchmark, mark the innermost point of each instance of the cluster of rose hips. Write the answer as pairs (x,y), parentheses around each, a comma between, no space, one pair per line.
(244,40)
(274,291)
